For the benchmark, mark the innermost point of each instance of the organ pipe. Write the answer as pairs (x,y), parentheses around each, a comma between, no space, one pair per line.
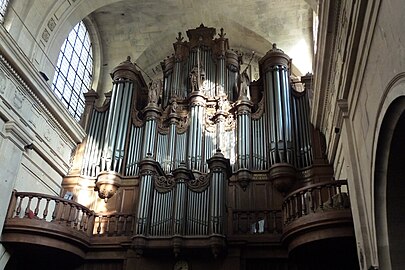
(195,133)
(219,171)
(205,106)
(274,65)
(147,169)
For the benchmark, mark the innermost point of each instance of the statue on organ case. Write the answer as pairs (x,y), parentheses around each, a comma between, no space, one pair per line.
(197,78)
(155,89)
(243,86)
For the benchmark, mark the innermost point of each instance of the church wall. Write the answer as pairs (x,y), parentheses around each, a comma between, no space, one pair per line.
(37,135)
(359,92)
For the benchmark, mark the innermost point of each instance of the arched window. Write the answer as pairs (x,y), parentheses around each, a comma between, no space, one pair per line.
(73,74)
(3,9)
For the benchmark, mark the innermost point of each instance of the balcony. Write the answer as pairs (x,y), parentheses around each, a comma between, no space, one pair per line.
(49,221)
(317,212)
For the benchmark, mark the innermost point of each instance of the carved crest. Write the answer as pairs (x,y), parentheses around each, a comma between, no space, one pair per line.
(164,183)
(200,183)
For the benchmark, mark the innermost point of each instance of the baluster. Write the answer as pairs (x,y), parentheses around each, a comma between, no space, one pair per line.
(18,210)
(69,217)
(82,218)
(311,200)
(285,212)
(330,193)
(27,209)
(107,229)
(238,228)
(319,188)
(124,226)
(86,221)
(133,224)
(54,214)
(341,205)
(290,209)
(275,231)
(99,225)
(37,206)
(297,207)
(303,204)
(248,221)
(62,216)
(45,212)
(76,219)
(266,221)
(117,220)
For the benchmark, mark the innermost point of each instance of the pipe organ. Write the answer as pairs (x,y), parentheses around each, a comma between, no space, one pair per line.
(188,138)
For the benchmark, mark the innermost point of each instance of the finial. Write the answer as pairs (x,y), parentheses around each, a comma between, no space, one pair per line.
(222,34)
(128,58)
(274,46)
(179,38)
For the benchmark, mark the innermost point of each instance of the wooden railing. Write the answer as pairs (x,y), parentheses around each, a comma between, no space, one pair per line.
(302,202)
(119,224)
(52,209)
(315,198)
(254,221)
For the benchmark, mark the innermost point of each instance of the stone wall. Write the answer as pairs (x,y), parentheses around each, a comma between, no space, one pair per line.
(37,134)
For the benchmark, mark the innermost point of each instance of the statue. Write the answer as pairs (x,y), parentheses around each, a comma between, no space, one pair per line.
(243,86)
(174,106)
(155,88)
(195,81)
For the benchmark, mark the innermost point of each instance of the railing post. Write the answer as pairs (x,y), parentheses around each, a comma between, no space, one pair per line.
(12,204)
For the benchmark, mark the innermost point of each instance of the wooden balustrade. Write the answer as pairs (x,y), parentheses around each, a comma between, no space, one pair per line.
(119,224)
(315,198)
(47,208)
(254,221)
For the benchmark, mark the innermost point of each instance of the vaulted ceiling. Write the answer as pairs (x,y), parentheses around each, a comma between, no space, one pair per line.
(146,30)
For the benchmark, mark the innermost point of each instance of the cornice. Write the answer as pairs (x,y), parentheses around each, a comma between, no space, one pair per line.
(17,63)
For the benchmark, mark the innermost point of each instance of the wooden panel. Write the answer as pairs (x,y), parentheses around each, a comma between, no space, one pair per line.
(128,200)
(259,196)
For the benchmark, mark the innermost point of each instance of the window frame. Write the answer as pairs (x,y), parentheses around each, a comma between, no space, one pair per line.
(74,57)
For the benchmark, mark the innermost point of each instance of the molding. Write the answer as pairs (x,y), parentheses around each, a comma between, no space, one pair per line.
(17,135)
(29,78)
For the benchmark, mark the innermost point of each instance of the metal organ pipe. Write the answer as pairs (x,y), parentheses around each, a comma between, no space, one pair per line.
(279,113)
(171,151)
(149,137)
(244,138)
(145,199)
(219,168)
(180,207)
(195,133)
(117,124)
(303,129)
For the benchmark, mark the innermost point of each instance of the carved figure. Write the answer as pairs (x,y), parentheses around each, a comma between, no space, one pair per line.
(243,86)
(174,106)
(195,81)
(155,88)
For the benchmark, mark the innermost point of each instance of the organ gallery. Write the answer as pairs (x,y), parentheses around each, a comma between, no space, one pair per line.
(215,164)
